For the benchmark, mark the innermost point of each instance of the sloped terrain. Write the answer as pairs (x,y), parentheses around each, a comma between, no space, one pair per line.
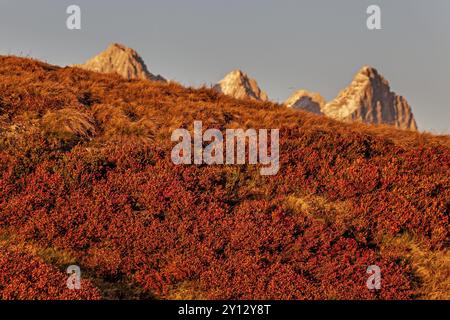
(85,170)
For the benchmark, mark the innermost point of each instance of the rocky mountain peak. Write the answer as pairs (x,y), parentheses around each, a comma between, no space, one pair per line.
(307,101)
(122,60)
(369,99)
(240,86)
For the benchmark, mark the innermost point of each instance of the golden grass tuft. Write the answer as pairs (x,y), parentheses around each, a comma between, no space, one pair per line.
(186,290)
(123,121)
(320,208)
(68,124)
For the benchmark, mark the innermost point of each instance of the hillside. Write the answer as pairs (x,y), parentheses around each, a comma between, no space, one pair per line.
(86,178)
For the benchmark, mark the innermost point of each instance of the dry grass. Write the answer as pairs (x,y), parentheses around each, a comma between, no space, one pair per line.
(68,124)
(321,209)
(187,290)
(126,121)
(431,268)
(82,103)
(49,255)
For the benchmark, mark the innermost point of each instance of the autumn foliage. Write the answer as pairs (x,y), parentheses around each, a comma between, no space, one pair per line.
(28,278)
(85,168)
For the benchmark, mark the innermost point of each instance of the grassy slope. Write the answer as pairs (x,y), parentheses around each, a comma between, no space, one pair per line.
(78,150)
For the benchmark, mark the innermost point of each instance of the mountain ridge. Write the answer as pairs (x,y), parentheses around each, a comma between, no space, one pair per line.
(369,99)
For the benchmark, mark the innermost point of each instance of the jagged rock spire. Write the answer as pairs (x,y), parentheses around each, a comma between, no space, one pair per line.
(122,60)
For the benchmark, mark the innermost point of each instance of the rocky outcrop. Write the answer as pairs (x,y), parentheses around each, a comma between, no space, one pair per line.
(237,84)
(122,60)
(369,99)
(307,101)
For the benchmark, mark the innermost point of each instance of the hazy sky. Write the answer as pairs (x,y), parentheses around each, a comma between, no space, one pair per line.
(286,45)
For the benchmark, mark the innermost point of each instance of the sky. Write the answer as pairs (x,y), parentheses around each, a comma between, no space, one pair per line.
(286,45)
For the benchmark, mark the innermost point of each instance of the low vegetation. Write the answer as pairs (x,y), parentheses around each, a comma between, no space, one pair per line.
(85,170)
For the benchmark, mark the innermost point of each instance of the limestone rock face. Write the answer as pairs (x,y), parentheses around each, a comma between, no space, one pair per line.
(237,84)
(369,99)
(307,101)
(122,60)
